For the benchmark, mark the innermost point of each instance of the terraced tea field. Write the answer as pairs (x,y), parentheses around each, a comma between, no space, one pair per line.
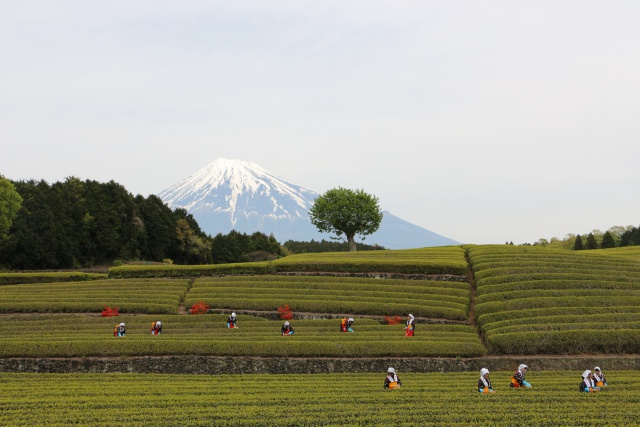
(529,300)
(424,298)
(130,296)
(431,399)
(67,335)
(537,300)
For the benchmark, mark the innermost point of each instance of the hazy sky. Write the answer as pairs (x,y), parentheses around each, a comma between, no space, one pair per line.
(483,121)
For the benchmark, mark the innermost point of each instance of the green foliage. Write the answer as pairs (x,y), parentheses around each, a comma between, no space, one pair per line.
(569,241)
(592,243)
(240,247)
(74,224)
(607,241)
(631,237)
(10,203)
(194,246)
(343,211)
(578,245)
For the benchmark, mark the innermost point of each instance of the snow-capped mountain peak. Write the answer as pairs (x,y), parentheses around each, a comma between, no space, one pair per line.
(240,189)
(237,195)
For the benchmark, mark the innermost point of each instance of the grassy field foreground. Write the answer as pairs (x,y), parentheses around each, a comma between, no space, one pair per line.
(432,399)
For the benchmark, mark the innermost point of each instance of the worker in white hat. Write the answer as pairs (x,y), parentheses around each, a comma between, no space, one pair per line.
(392,381)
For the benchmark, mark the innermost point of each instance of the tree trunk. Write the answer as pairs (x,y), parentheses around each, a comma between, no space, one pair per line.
(352,243)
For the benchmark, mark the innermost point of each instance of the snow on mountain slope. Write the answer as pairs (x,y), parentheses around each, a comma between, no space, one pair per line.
(241,189)
(237,195)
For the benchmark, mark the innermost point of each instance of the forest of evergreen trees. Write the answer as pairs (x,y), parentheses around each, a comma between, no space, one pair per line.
(80,224)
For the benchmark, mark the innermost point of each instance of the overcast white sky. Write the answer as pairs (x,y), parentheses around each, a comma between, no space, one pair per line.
(483,121)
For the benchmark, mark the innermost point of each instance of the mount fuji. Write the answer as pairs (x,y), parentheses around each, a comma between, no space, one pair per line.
(237,195)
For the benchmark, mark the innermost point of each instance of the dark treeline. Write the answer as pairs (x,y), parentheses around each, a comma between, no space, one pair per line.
(325,246)
(631,237)
(75,224)
(241,247)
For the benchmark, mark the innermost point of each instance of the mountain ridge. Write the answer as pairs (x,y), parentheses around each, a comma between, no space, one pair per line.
(239,195)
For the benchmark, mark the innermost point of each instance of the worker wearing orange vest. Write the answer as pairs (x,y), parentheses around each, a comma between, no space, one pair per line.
(517,379)
(484,383)
(392,381)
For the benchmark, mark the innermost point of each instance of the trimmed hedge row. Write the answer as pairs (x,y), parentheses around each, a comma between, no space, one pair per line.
(604,319)
(286,347)
(535,285)
(166,307)
(547,302)
(621,341)
(551,293)
(22,278)
(524,269)
(604,327)
(171,270)
(336,283)
(339,306)
(448,260)
(554,311)
(622,277)
(41,336)
(150,296)
(323,294)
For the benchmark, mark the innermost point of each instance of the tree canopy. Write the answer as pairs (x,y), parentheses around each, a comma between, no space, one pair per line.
(591,242)
(578,245)
(79,224)
(241,247)
(10,203)
(349,212)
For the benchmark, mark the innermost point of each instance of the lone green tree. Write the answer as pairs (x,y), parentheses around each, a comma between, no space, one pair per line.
(10,203)
(343,211)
